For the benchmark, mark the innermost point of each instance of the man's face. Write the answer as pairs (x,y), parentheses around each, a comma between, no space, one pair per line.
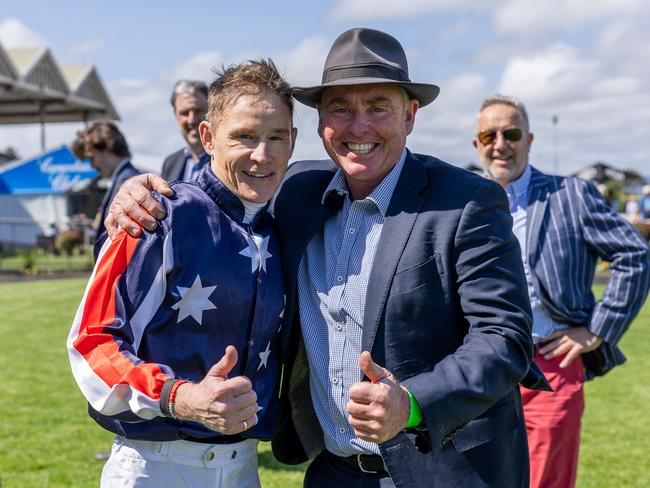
(503,159)
(190,110)
(250,144)
(364,129)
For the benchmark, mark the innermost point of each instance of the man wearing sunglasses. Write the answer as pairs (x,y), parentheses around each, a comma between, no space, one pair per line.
(563,226)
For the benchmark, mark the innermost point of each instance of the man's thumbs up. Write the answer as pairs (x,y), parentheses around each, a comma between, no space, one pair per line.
(372,370)
(224,366)
(378,410)
(226,405)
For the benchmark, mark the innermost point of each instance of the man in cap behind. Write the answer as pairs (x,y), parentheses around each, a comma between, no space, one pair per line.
(407,325)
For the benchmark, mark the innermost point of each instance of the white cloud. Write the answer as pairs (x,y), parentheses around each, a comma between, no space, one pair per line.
(444,129)
(534,17)
(346,10)
(200,66)
(558,73)
(88,46)
(305,62)
(147,117)
(15,34)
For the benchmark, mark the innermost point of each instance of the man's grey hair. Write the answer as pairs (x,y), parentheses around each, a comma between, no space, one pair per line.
(188,87)
(499,99)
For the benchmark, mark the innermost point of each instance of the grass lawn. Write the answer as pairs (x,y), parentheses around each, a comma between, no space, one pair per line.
(47,440)
(46,262)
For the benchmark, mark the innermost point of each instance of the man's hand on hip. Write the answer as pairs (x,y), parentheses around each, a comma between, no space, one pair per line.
(571,343)
(378,410)
(133,206)
(222,404)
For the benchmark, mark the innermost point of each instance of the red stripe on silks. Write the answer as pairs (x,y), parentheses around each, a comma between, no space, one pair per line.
(99,347)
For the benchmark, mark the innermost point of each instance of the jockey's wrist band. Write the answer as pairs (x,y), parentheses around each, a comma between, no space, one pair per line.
(167,396)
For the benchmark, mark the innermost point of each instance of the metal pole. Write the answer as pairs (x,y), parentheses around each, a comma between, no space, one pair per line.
(42,117)
(555,119)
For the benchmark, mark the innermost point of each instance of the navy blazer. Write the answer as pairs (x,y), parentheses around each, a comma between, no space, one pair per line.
(123,173)
(446,311)
(174,166)
(570,226)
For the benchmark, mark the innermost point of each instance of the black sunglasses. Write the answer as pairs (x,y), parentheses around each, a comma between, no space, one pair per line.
(488,136)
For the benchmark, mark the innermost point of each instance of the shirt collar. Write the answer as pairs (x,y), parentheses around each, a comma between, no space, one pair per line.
(203,157)
(380,196)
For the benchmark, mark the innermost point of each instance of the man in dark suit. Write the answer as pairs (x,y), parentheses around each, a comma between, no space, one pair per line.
(190,102)
(106,147)
(407,324)
(563,226)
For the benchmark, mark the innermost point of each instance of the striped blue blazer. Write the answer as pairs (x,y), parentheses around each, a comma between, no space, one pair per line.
(569,227)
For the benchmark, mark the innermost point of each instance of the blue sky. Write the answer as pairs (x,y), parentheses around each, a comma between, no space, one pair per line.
(584,62)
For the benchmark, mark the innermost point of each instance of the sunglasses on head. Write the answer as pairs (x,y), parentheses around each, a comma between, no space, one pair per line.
(488,136)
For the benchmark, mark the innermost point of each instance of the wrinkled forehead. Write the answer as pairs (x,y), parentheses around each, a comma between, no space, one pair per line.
(258,105)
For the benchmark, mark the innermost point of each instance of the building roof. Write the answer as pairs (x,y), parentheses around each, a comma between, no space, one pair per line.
(34,89)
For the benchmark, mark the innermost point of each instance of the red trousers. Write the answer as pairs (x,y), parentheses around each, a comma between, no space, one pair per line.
(553,424)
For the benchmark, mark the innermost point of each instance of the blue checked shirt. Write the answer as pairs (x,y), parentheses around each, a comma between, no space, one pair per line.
(332,283)
(192,167)
(517,191)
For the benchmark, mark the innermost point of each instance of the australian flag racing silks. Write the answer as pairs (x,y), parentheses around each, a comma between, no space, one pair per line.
(167,304)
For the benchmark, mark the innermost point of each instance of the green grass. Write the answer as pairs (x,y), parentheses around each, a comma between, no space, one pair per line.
(615,449)
(47,439)
(48,263)
(46,436)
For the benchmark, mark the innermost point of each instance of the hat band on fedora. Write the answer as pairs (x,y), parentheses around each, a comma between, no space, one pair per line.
(366,71)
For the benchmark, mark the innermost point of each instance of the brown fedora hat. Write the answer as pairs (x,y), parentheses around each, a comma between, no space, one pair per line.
(363,56)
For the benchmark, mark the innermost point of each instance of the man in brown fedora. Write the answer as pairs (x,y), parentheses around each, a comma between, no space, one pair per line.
(407,324)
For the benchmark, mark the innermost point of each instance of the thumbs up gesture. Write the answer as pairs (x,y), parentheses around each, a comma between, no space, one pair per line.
(226,405)
(378,409)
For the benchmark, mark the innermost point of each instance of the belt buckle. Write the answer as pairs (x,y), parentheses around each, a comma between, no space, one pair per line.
(360,464)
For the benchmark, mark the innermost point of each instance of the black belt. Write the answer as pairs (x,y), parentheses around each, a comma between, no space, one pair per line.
(366,463)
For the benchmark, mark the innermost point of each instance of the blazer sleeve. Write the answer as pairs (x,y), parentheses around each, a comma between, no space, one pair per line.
(613,239)
(497,349)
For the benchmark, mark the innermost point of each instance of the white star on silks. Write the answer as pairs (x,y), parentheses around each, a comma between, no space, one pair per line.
(257,251)
(264,356)
(284,297)
(194,301)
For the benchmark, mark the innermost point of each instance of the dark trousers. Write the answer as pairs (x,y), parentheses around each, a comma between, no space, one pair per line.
(326,471)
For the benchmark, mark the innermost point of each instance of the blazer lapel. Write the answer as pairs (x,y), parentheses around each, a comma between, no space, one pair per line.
(402,212)
(536,214)
(308,216)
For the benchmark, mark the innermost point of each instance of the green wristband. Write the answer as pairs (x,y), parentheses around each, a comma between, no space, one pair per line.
(415,417)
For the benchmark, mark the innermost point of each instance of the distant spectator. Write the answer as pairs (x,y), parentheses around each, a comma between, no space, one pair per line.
(608,196)
(632,208)
(190,103)
(106,147)
(563,226)
(645,202)
(50,233)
